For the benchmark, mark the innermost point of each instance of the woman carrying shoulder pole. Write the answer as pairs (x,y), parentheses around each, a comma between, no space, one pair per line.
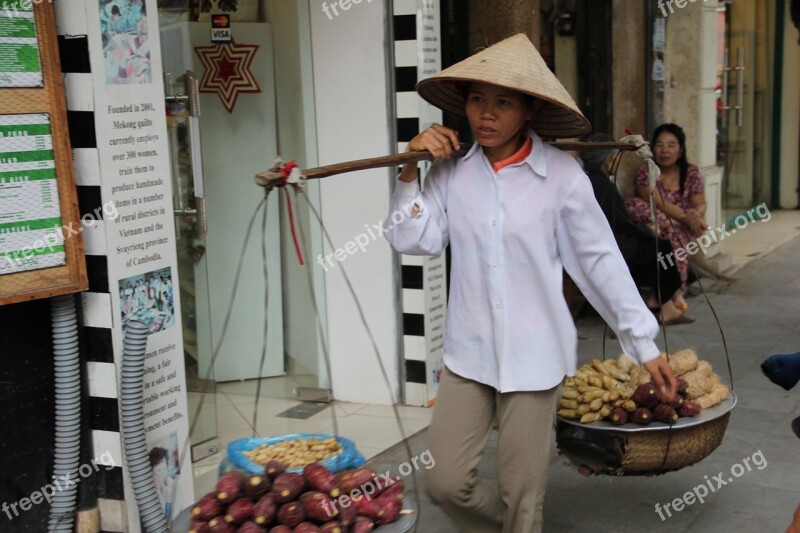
(515,212)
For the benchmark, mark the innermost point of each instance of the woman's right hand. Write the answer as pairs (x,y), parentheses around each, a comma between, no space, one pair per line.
(439,140)
(695,222)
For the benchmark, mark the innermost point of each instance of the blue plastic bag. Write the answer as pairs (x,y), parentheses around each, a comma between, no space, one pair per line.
(349,457)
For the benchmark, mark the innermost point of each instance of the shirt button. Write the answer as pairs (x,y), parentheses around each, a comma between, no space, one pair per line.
(494,222)
(494,264)
(498,305)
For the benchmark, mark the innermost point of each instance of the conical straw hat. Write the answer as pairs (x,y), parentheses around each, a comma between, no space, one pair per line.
(514,63)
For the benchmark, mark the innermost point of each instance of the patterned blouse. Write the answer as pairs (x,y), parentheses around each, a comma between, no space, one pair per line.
(693,186)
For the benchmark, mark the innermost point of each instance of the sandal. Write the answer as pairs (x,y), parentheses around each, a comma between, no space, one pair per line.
(680,319)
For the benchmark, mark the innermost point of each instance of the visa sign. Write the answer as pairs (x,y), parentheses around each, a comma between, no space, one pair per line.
(220,35)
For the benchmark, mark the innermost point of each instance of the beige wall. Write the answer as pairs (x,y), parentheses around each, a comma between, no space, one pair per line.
(628,81)
(790,123)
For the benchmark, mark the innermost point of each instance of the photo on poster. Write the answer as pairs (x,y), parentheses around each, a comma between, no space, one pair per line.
(166,469)
(148,298)
(126,47)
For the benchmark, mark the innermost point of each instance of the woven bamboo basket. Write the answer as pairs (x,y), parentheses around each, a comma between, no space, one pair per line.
(607,449)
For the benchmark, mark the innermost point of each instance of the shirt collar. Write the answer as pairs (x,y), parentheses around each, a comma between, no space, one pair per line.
(537,160)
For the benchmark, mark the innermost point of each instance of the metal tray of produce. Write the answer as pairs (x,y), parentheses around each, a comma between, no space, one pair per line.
(404,522)
(705,415)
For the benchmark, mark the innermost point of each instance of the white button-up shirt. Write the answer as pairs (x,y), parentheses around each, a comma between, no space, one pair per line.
(508,325)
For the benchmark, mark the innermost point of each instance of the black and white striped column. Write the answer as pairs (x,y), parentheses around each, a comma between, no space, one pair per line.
(97,312)
(422,358)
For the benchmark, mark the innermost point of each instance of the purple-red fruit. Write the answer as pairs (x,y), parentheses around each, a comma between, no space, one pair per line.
(281,529)
(251,527)
(642,416)
(256,486)
(207,507)
(690,408)
(331,527)
(318,506)
(306,527)
(677,402)
(354,479)
(362,524)
(274,468)
(229,486)
(645,396)
(239,511)
(287,487)
(264,510)
(682,386)
(219,525)
(199,526)
(320,478)
(394,492)
(347,515)
(665,413)
(390,510)
(291,514)
(619,416)
(396,485)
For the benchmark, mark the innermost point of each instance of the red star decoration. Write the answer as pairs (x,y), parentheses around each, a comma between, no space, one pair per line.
(228,71)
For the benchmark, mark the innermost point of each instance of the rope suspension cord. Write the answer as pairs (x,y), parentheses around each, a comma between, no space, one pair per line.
(234,291)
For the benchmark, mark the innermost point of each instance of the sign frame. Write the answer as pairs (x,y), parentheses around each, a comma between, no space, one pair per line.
(50,99)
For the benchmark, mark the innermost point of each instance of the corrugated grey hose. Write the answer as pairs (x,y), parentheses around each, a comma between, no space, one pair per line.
(66,358)
(132,410)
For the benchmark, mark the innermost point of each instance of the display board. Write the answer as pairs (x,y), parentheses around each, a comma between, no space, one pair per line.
(41,250)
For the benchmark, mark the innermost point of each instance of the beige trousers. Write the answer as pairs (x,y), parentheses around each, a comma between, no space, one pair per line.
(462,424)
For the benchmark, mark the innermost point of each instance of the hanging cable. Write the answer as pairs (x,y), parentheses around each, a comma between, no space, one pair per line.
(375,349)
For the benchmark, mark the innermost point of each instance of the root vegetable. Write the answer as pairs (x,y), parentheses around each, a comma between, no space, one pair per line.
(615,372)
(614,395)
(595,382)
(199,526)
(320,478)
(625,363)
(605,411)
(583,409)
(619,416)
(331,527)
(689,408)
(229,486)
(219,525)
(274,468)
(207,507)
(264,510)
(665,413)
(645,396)
(682,386)
(642,416)
(353,479)
(629,405)
(568,413)
(390,510)
(347,515)
(318,506)
(590,417)
(306,527)
(287,487)
(611,384)
(569,382)
(239,511)
(281,529)
(251,527)
(591,395)
(362,524)
(568,404)
(717,394)
(683,361)
(291,514)
(394,490)
(256,486)
(596,404)
(570,393)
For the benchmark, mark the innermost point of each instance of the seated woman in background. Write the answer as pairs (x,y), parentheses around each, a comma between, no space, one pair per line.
(680,197)
(636,241)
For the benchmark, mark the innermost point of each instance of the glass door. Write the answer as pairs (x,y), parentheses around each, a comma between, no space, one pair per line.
(183,111)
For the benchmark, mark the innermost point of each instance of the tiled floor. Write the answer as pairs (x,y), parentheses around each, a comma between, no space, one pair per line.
(373,428)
